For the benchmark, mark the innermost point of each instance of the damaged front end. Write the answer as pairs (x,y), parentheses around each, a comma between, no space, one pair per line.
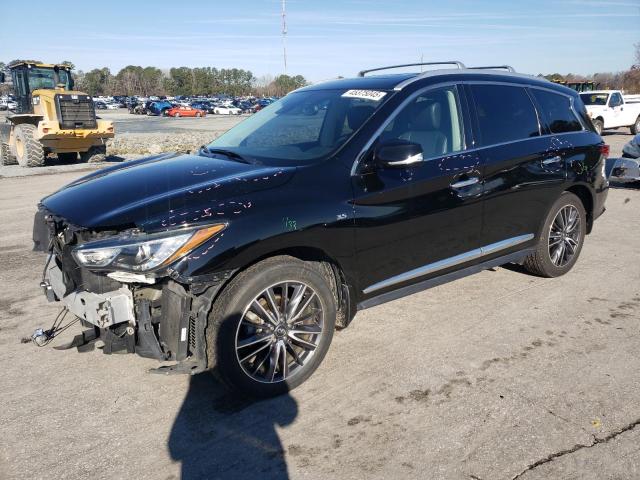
(126,289)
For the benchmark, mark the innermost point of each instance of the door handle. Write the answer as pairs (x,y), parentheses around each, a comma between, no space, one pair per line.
(465,183)
(552,160)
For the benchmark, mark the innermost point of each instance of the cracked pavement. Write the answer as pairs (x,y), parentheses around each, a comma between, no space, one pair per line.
(501,375)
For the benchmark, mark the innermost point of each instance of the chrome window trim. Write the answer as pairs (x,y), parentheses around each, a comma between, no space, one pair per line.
(405,102)
(450,262)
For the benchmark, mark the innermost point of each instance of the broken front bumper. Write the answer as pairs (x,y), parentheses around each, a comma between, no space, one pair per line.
(102,310)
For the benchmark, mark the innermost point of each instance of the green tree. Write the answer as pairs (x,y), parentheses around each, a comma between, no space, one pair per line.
(182,78)
(69,64)
(285,84)
(98,81)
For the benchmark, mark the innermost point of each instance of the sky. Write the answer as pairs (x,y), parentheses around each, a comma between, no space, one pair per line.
(326,38)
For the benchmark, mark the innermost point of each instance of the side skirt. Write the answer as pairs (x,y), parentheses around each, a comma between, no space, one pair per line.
(514,257)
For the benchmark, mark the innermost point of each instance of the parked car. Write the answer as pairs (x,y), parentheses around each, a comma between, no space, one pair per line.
(611,109)
(100,105)
(246,255)
(112,106)
(227,110)
(158,107)
(627,168)
(204,106)
(182,111)
(12,105)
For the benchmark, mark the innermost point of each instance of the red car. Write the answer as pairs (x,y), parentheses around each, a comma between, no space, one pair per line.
(186,112)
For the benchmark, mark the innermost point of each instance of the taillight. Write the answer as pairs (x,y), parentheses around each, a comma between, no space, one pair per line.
(604,150)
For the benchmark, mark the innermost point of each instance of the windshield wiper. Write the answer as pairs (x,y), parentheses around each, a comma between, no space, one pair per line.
(211,152)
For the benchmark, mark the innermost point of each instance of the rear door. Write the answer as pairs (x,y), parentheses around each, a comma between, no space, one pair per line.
(523,167)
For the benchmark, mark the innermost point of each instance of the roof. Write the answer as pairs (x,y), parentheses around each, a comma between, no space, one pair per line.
(400,81)
(39,64)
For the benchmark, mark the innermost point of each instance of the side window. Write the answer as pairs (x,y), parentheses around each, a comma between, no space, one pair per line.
(557,112)
(433,119)
(505,113)
(616,100)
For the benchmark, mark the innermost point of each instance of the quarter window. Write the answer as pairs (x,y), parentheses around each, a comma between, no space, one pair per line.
(557,112)
(433,119)
(505,113)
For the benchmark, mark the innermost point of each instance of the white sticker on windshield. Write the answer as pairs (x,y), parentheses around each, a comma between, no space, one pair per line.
(365,94)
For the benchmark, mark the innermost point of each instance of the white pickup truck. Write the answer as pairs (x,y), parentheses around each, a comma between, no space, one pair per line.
(611,109)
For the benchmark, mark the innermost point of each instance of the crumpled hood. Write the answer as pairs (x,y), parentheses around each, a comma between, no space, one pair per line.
(163,191)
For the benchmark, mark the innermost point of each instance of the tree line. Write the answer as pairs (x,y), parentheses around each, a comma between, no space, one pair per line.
(137,80)
(144,81)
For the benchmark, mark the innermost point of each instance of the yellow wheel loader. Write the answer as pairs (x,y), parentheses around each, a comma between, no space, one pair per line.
(51,117)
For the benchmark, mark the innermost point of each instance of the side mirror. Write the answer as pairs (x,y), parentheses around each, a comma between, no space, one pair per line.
(398,153)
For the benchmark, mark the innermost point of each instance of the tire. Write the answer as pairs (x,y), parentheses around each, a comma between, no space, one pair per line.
(598,125)
(229,324)
(95,154)
(69,157)
(28,151)
(635,128)
(177,115)
(5,155)
(198,115)
(544,261)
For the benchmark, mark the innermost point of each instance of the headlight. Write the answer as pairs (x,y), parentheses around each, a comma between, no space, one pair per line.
(143,253)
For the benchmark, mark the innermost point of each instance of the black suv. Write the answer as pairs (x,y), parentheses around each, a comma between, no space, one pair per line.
(244,257)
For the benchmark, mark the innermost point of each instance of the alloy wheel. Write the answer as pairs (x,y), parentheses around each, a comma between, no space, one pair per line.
(279,332)
(564,235)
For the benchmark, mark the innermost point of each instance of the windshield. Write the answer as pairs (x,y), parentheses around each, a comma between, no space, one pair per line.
(594,98)
(43,78)
(302,126)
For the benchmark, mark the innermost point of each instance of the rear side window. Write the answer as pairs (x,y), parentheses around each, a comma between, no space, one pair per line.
(557,112)
(505,113)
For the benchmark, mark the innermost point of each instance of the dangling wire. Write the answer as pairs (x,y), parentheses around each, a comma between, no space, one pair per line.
(43,337)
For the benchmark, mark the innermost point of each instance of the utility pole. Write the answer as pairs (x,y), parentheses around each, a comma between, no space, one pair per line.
(284,34)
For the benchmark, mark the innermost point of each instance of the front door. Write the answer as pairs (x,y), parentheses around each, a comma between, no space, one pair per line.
(416,220)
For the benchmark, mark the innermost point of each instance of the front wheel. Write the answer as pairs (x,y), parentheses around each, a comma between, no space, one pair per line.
(177,115)
(561,239)
(95,154)
(271,326)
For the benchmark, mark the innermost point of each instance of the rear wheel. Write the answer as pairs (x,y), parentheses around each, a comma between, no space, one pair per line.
(28,151)
(561,239)
(198,114)
(271,327)
(95,154)
(635,128)
(598,125)
(177,115)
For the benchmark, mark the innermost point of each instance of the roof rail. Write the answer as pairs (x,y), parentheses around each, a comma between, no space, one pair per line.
(453,62)
(495,67)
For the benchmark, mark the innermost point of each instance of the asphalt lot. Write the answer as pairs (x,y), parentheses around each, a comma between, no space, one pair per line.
(501,375)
